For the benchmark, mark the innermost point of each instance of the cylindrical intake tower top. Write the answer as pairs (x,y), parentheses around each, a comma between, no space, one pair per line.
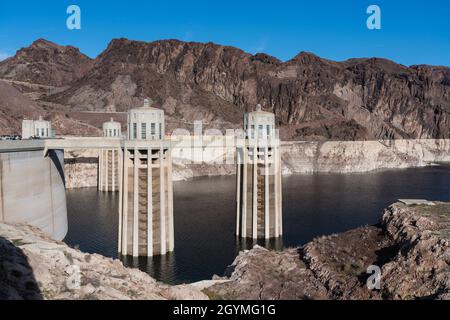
(259,124)
(111,128)
(146,123)
(37,128)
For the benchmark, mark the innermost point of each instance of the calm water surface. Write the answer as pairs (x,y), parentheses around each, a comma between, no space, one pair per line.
(204,215)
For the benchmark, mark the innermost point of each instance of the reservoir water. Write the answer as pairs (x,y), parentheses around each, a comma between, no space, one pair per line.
(204,216)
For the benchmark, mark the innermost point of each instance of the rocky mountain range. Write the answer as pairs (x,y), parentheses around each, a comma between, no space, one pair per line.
(312,98)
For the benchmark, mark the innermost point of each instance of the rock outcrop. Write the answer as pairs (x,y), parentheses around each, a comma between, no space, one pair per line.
(411,246)
(81,166)
(361,156)
(33,266)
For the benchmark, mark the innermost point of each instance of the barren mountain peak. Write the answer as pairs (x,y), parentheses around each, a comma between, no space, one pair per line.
(265,58)
(43,42)
(46,63)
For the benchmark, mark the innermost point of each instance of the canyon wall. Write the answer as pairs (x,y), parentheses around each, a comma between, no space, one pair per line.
(362,156)
(312,98)
(298,157)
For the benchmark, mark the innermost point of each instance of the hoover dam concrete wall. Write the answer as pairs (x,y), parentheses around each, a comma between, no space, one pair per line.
(32,190)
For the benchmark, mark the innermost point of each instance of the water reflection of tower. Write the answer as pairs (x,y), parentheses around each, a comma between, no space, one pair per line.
(109,159)
(258,198)
(248,243)
(161,267)
(146,200)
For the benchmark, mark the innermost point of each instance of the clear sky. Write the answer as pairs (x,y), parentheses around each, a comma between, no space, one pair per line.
(412,32)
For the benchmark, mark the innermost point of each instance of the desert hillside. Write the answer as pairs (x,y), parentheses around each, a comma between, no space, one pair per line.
(313,98)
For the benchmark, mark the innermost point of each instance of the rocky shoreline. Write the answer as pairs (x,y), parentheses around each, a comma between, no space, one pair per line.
(34,266)
(298,157)
(410,245)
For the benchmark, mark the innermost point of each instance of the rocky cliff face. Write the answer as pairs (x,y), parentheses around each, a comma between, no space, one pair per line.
(33,266)
(411,246)
(81,166)
(313,98)
(361,156)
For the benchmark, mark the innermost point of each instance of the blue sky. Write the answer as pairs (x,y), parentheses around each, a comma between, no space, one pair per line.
(413,32)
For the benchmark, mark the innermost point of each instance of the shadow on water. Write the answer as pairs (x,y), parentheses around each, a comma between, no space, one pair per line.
(93,221)
(248,243)
(17,281)
(205,217)
(162,268)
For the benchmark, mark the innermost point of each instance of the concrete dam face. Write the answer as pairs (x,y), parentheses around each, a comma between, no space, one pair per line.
(32,190)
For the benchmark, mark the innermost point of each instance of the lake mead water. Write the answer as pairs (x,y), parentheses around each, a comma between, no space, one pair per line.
(204,215)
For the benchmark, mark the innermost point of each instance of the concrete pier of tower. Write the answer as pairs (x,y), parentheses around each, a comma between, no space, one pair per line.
(146,197)
(109,160)
(258,179)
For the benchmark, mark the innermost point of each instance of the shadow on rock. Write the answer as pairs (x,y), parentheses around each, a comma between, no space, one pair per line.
(17,281)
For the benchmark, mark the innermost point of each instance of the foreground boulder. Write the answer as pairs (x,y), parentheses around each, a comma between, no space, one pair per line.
(33,266)
(410,246)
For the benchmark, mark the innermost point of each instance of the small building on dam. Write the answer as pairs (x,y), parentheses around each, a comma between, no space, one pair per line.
(40,129)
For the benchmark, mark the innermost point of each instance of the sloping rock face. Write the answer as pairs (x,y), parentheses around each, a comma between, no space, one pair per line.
(266,275)
(313,98)
(35,72)
(14,106)
(46,63)
(33,266)
(422,266)
(411,246)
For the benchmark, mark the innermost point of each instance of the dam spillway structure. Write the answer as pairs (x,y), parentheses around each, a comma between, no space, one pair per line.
(109,159)
(258,178)
(146,196)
